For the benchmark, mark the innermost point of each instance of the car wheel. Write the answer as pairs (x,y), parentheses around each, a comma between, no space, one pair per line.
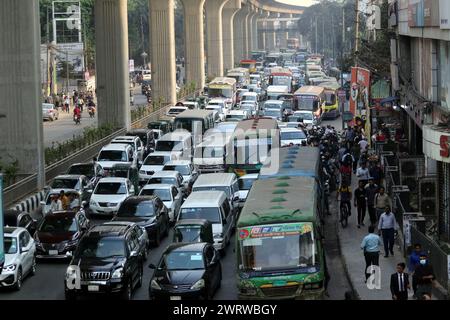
(127,293)
(33,267)
(18,284)
(141,275)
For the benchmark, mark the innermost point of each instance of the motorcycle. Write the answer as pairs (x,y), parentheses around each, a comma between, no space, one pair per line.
(91,112)
(77,119)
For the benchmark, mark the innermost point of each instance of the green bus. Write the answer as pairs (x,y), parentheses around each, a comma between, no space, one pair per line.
(279,238)
(252,142)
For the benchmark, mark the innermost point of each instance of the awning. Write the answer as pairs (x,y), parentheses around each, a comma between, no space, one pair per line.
(389,99)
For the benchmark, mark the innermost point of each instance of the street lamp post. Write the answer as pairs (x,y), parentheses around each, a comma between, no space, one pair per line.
(144,55)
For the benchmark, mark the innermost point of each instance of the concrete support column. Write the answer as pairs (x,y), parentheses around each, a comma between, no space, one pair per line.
(283,33)
(21,135)
(250,33)
(255,31)
(214,44)
(112,73)
(228,33)
(194,42)
(245,26)
(261,35)
(239,33)
(162,44)
(270,35)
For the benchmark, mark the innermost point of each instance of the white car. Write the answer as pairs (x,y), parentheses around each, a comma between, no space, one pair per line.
(168,177)
(112,154)
(135,142)
(292,136)
(153,163)
(20,258)
(185,168)
(245,184)
(176,110)
(307,116)
(170,195)
(237,115)
(109,194)
(250,106)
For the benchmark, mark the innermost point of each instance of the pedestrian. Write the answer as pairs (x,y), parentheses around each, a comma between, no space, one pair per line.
(67,104)
(55,204)
(371,191)
(349,137)
(376,173)
(363,173)
(400,283)
(382,200)
(414,261)
(346,173)
(346,196)
(371,246)
(361,202)
(425,277)
(342,150)
(64,200)
(363,144)
(356,154)
(387,226)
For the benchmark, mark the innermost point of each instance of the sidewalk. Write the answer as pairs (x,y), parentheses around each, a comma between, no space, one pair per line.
(350,241)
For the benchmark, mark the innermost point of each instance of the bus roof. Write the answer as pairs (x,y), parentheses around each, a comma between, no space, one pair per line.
(309,90)
(257,123)
(277,201)
(194,114)
(248,61)
(293,161)
(223,81)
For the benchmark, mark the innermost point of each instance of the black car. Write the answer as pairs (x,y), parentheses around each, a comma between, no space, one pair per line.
(107,261)
(17,218)
(148,212)
(186,271)
(92,171)
(147,138)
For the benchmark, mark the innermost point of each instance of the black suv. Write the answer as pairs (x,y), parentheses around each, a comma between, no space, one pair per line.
(108,260)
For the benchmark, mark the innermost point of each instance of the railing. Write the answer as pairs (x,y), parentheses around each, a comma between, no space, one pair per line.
(437,256)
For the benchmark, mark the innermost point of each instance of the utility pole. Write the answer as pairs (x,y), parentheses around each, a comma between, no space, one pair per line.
(323,35)
(356,32)
(67,71)
(343,27)
(48,54)
(332,36)
(315,23)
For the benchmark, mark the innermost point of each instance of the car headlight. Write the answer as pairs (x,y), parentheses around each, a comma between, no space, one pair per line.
(198,285)
(142,171)
(155,285)
(70,243)
(117,274)
(71,271)
(92,203)
(10,268)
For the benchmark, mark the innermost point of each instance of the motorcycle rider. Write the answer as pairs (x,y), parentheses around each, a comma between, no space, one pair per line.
(91,108)
(77,114)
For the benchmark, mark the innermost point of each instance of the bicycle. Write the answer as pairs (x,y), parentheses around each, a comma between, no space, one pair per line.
(344,212)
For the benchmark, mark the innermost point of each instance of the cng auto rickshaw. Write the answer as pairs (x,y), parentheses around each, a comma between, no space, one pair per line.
(193,230)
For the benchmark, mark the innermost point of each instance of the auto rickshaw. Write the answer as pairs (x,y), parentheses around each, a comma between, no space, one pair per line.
(202,101)
(193,230)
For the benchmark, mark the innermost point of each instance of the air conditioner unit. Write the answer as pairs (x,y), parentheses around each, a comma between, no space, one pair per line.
(428,190)
(410,169)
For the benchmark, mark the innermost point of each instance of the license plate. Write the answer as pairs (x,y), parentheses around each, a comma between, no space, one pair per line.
(175,298)
(93,288)
(53,252)
(108,209)
(279,283)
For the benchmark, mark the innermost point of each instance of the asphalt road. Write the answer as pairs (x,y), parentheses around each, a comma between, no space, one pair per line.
(65,129)
(48,284)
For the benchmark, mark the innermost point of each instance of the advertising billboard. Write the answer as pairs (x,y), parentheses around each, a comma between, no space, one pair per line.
(423,13)
(360,88)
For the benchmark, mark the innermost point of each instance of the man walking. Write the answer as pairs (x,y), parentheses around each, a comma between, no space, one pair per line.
(400,283)
(425,277)
(371,190)
(361,203)
(363,173)
(414,261)
(371,246)
(382,201)
(387,227)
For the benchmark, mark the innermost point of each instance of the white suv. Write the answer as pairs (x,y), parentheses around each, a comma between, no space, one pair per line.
(109,194)
(19,257)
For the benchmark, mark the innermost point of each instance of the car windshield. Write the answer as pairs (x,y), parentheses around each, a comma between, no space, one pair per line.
(272,113)
(101,248)
(249,98)
(215,188)
(165,180)
(209,152)
(184,170)
(163,194)
(166,145)
(210,214)
(306,102)
(188,233)
(156,160)
(272,106)
(10,245)
(82,169)
(52,224)
(281,251)
(231,117)
(113,155)
(304,115)
(183,260)
(246,184)
(136,209)
(292,135)
(61,183)
(111,188)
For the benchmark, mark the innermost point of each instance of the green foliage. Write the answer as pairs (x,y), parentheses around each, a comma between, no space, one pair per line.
(9,170)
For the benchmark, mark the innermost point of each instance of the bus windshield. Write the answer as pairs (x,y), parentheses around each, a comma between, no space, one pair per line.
(306,102)
(222,92)
(277,250)
(281,81)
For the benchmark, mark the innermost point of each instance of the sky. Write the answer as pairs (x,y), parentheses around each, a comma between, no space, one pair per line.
(305,3)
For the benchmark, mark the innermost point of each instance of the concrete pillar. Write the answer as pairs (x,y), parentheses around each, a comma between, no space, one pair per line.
(21,135)
(271,40)
(245,26)
(283,34)
(255,31)
(228,33)
(112,73)
(261,29)
(162,45)
(250,33)
(214,45)
(194,42)
(238,35)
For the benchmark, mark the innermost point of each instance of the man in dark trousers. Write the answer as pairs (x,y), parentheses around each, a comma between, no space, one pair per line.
(400,283)
(371,246)
(361,202)
(387,226)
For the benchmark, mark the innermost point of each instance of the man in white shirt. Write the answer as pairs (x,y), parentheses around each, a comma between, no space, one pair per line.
(56,204)
(363,173)
(363,144)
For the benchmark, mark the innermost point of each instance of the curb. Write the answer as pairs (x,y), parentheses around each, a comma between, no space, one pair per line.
(31,203)
(344,262)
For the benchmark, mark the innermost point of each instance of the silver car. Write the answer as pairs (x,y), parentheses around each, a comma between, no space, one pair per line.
(170,195)
(49,112)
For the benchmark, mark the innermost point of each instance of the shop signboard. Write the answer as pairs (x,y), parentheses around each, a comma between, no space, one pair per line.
(444,14)
(436,143)
(360,88)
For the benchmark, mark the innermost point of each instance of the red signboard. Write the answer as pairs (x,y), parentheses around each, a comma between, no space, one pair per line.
(360,87)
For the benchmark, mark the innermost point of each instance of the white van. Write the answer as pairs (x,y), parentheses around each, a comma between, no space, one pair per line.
(153,163)
(214,207)
(116,153)
(273,92)
(226,182)
(177,143)
(210,154)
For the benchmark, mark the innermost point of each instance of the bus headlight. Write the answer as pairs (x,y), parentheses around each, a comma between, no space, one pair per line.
(313,285)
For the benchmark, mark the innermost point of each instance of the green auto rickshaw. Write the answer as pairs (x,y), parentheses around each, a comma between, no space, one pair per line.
(193,230)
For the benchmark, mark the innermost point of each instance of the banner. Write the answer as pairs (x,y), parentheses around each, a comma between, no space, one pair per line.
(360,89)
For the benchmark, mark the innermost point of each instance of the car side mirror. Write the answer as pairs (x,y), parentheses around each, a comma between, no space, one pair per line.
(133,254)
(151,266)
(42,203)
(23,250)
(90,190)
